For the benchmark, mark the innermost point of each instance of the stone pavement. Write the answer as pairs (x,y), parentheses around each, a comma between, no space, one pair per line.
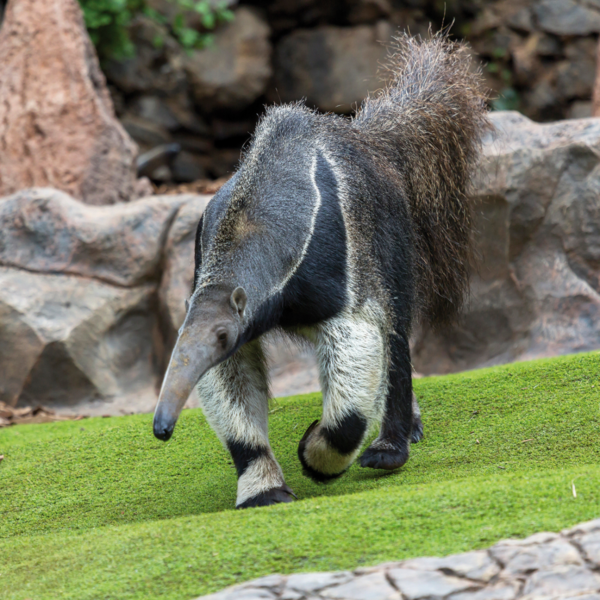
(545,566)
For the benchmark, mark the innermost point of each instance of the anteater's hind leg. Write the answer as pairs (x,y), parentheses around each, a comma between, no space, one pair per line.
(400,423)
(235,400)
(353,363)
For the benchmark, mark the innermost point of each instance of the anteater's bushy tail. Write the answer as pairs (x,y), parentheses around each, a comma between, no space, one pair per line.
(429,120)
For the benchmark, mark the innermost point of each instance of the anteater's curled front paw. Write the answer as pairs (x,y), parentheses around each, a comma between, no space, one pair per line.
(272,496)
(325,465)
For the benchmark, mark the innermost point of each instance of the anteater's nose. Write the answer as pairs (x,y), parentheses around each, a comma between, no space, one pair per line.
(162,432)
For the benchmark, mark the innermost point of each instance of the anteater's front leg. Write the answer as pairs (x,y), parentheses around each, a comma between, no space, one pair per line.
(352,358)
(235,400)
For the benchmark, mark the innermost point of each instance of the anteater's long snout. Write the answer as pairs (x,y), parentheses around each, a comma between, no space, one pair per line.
(189,362)
(208,335)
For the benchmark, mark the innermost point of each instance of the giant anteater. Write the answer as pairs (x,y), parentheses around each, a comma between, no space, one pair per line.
(344,232)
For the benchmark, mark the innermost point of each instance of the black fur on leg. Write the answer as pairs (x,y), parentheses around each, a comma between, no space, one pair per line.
(343,440)
(243,454)
(273,496)
(307,470)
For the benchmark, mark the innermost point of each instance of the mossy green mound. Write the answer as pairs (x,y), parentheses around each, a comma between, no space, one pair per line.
(101,509)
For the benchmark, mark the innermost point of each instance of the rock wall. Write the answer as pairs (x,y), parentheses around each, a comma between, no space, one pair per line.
(82,319)
(539,57)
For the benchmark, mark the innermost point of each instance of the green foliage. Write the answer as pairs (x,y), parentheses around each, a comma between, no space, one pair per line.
(101,509)
(107,22)
(507,100)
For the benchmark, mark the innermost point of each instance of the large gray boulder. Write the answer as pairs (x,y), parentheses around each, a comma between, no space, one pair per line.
(67,341)
(80,318)
(536,291)
(47,231)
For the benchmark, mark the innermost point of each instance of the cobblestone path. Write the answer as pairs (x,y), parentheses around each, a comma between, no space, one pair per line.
(545,566)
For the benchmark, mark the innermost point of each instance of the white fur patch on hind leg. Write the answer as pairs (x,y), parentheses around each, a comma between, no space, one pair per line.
(353,359)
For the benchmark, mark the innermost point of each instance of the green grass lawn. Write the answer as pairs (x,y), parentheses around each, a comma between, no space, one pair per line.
(100,509)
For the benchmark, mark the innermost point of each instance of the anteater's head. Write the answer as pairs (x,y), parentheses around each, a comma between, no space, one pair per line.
(210,333)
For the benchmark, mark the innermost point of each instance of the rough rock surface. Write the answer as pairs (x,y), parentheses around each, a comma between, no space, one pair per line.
(57,122)
(537,289)
(66,340)
(47,231)
(545,566)
(80,319)
(332,67)
(235,70)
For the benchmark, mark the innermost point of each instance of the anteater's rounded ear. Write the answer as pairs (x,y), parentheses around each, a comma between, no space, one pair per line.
(238,300)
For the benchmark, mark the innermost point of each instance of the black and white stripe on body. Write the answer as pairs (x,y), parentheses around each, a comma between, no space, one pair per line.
(325,232)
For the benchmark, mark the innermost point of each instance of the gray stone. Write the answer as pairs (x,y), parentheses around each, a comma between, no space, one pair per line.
(561,580)
(65,340)
(241,594)
(472,565)
(313,582)
(583,528)
(537,289)
(291,595)
(544,537)
(591,546)
(368,587)
(429,585)
(519,560)
(270,581)
(567,17)
(333,67)
(234,70)
(499,591)
(47,231)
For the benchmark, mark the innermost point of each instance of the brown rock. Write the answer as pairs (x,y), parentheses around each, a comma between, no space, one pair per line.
(57,122)
(47,231)
(234,70)
(537,289)
(332,67)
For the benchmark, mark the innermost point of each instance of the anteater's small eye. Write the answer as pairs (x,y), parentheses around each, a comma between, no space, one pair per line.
(222,336)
